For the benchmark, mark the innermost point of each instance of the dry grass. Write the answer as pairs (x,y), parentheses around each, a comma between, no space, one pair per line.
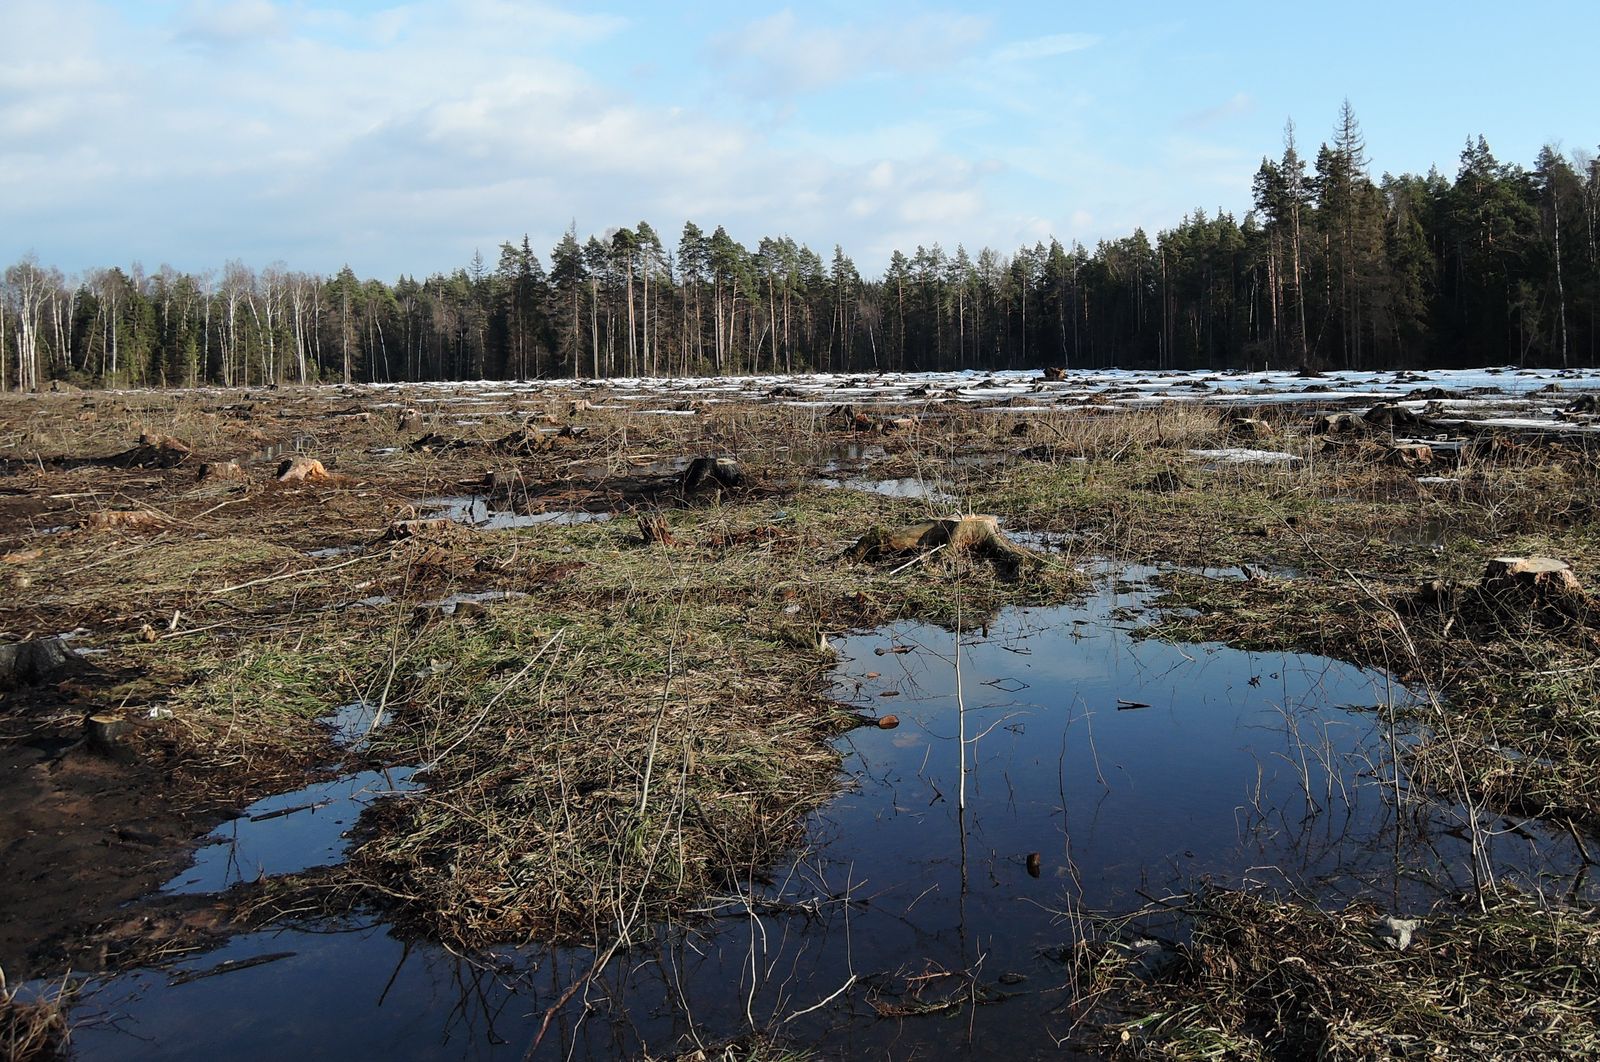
(605,751)
(1265,979)
(646,723)
(33,1029)
(634,726)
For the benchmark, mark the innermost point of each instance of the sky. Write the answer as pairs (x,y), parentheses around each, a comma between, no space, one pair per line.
(400,138)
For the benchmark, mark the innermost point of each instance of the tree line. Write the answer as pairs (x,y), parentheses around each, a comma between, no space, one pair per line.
(1330,269)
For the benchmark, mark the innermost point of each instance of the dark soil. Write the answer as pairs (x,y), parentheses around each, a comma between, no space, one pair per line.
(86,833)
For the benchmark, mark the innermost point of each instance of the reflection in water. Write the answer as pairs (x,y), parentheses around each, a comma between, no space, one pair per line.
(1102,771)
(905,487)
(476,511)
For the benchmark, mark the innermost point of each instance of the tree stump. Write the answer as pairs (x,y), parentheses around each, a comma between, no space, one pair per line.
(302,470)
(1543,577)
(1410,455)
(1339,424)
(213,471)
(408,420)
(523,441)
(720,472)
(105,732)
(653,526)
(974,533)
(124,520)
(1248,428)
(32,661)
(154,451)
(1395,418)
(404,529)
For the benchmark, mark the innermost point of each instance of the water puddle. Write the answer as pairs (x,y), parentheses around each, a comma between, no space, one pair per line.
(290,832)
(373,601)
(273,451)
(906,487)
(445,606)
(1073,766)
(334,551)
(840,457)
(476,511)
(352,724)
(448,606)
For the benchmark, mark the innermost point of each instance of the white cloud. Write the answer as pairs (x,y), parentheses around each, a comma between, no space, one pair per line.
(781,54)
(229,23)
(403,139)
(1047,47)
(1237,104)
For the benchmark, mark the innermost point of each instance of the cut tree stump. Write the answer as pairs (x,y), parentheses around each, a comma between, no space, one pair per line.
(1248,428)
(976,533)
(212,471)
(1410,455)
(404,529)
(124,520)
(523,441)
(1395,418)
(1339,424)
(302,470)
(105,732)
(1545,577)
(154,451)
(32,661)
(721,472)
(653,526)
(1544,585)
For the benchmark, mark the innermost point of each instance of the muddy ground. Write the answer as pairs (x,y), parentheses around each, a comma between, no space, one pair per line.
(611,673)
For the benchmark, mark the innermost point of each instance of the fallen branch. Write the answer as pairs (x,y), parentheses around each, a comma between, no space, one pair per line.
(289,575)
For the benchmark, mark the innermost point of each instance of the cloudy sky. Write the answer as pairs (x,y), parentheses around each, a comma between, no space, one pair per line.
(400,137)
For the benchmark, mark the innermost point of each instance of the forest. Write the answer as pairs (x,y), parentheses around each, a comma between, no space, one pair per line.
(1331,268)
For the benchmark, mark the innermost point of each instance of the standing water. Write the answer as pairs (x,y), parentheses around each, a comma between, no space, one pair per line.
(1102,773)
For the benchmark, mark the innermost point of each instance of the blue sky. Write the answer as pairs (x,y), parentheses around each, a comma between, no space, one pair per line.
(400,137)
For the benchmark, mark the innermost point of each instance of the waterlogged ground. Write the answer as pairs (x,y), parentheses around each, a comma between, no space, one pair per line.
(1104,772)
(248,630)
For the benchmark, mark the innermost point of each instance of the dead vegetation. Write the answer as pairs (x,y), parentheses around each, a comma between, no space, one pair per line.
(33,1029)
(607,732)
(632,711)
(1266,979)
